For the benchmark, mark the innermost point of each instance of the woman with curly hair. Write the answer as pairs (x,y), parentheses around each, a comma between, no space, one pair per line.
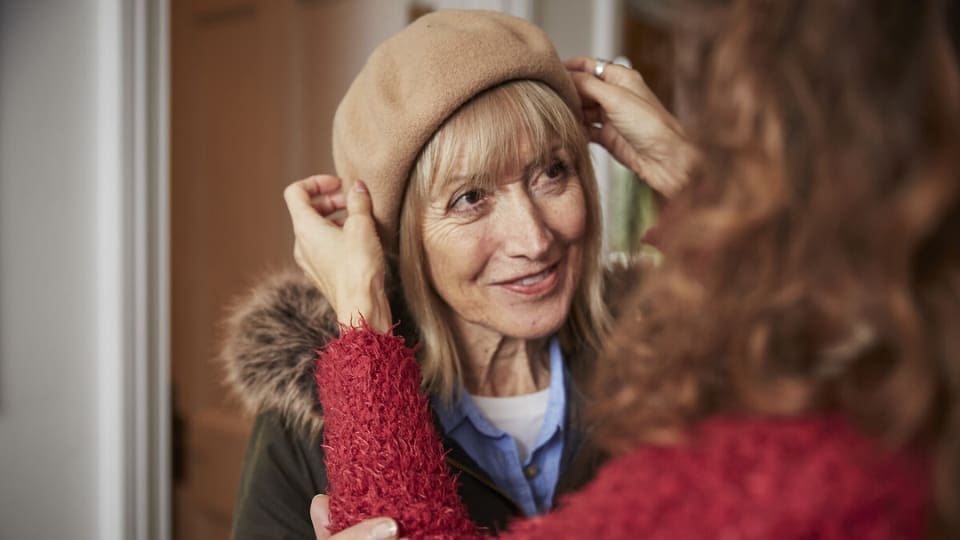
(793,368)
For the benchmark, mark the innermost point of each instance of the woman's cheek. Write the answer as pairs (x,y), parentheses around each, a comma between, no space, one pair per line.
(569,214)
(448,244)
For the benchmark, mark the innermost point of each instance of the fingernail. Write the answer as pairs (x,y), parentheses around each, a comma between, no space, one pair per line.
(384,530)
(360,186)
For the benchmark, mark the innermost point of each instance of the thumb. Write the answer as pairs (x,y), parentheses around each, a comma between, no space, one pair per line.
(320,516)
(358,200)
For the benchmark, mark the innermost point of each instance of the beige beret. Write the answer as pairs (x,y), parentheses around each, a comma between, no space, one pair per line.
(417,79)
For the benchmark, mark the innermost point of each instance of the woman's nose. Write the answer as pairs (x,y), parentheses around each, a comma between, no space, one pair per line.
(524,233)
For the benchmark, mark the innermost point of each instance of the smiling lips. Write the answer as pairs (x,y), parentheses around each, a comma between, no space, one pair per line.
(534,284)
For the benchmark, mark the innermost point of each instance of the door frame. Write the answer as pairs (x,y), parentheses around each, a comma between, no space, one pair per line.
(133,402)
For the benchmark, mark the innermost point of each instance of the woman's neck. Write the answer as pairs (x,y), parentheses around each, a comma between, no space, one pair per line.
(498,366)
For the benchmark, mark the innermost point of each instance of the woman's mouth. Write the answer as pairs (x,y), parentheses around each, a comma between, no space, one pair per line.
(534,284)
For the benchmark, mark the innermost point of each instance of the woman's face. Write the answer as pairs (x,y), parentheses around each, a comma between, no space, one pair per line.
(507,259)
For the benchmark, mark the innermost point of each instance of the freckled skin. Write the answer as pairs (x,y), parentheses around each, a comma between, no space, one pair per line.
(477,245)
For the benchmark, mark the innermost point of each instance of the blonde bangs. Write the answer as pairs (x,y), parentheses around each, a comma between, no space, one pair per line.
(487,139)
(482,139)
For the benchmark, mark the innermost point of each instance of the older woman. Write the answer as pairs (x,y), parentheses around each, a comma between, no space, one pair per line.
(463,168)
(791,371)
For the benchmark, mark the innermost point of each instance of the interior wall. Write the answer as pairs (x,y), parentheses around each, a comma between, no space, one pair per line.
(568,24)
(48,267)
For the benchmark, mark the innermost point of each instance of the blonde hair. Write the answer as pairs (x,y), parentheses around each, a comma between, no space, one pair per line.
(488,134)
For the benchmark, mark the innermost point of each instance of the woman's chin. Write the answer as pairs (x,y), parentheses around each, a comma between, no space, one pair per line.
(535,326)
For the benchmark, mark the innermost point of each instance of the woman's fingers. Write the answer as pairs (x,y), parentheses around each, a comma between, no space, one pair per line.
(320,184)
(371,529)
(595,93)
(593,115)
(359,225)
(313,233)
(610,139)
(624,77)
(382,528)
(320,516)
(297,197)
(312,209)
(580,63)
(358,200)
(360,230)
(329,203)
(321,192)
(613,74)
(337,247)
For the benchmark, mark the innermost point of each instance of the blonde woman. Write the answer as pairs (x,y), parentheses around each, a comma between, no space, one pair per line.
(460,148)
(790,371)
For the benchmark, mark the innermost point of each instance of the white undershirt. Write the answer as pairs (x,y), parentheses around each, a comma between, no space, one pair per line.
(521,417)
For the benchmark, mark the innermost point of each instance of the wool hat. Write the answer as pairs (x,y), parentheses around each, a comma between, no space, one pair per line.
(417,79)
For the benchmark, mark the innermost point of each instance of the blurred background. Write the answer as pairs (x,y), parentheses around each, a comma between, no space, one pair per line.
(144,145)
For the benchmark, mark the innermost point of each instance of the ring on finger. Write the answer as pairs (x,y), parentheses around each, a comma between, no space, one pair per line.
(599,66)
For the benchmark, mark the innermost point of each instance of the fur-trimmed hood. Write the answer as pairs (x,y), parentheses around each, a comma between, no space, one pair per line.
(272,337)
(273,333)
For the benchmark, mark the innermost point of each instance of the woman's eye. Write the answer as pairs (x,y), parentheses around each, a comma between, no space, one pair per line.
(557,169)
(467,200)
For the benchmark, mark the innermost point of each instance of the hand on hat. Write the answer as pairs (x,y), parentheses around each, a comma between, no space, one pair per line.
(336,245)
(624,116)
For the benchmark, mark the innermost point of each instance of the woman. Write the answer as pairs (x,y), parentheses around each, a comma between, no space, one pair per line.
(791,370)
(462,135)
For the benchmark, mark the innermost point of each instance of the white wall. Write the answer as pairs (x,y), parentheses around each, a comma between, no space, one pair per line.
(81,153)
(48,429)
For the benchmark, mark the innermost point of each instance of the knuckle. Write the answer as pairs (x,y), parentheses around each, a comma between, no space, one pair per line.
(289,195)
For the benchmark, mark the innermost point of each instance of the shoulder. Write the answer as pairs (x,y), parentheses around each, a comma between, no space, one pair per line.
(270,346)
(809,454)
(756,478)
(791,478)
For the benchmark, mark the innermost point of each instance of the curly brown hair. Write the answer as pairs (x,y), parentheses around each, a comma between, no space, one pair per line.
(813,263)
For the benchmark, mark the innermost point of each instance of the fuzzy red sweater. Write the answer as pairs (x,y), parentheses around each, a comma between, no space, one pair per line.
(738,478)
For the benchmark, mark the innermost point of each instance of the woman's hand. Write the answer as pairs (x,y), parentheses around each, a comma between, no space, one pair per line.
(340,251)
(382,528)
(626,118)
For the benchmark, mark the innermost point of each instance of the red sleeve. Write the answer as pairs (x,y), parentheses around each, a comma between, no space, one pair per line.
(383,455)
(739,478)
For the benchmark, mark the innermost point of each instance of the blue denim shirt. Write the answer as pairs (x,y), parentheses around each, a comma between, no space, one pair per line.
(530,484)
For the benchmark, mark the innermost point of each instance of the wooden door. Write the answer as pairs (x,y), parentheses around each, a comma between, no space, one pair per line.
(254,85)
(230,141)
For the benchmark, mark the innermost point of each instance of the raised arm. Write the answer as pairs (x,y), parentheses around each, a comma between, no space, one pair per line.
(384,457)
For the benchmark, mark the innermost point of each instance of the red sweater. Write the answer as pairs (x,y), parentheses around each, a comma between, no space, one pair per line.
(737,478)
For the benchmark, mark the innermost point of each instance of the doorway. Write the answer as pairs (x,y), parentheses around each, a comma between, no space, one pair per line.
(254,85)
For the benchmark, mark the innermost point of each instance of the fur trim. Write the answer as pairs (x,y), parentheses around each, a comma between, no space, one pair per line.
(272,338)
(274,332)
